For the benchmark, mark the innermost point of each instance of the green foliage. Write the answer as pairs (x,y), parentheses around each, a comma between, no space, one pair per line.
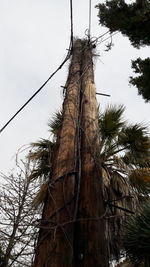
(142,82)
(110,121)
(118,140)
(41,154)
(55,123)
(134,139)
(117,136)
(125,148)
(137,236)
(137,159)
(132,20)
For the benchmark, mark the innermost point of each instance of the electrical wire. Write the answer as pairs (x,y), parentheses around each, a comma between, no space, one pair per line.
(50,77)
(42,86)
(71,21)
(97,38)
(89,31)
(108,37)
(64,61)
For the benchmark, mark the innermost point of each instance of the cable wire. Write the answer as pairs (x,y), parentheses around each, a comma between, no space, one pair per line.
(89,31)
(97,38)
(43,85)
(71,20)
(50,77)
(108,37)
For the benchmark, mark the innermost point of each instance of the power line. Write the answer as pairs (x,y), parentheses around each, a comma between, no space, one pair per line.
(108,37)
(50,77)
(89,31)
(71,21)
(102,94)
(43,85)
(97,38)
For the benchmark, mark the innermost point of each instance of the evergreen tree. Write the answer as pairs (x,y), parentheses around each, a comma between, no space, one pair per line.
(132,20)
(142,82)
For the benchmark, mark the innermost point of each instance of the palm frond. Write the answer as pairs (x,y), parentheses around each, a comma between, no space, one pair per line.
(140,160)
(134,138)
(42,143)
(41,155)
(118,193)
(41,195)
(116,163)
(55,122)
(41,172)
(111,121)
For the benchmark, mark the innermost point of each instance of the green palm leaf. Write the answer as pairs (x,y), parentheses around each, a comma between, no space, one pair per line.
(111,121)
(134,138)
(55,123)
(41,155)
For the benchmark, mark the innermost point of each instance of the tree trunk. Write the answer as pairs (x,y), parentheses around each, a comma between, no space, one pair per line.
(73,227)
(54,247)
(90,243)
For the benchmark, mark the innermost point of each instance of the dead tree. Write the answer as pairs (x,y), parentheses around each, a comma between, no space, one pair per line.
(72,230)
(18,217)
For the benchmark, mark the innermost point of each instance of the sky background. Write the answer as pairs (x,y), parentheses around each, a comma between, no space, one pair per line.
(34,36)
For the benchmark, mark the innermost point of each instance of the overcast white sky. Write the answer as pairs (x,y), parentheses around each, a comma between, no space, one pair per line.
(34,36)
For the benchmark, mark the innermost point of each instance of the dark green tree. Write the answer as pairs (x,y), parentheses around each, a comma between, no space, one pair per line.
(133,21)
(142,67)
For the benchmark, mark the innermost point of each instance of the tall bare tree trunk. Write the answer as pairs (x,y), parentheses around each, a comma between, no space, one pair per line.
(73,227)
(91,247)
(54,246)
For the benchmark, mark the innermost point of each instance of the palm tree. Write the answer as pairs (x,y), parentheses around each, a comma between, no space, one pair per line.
(124,154)
(42,150)
(41,155)
(124,149)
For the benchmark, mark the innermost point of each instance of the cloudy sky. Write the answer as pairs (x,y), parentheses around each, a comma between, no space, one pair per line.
(34,36)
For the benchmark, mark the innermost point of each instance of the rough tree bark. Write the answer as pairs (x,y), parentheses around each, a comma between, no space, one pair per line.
(91,247)
(73,227)
(54,246)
